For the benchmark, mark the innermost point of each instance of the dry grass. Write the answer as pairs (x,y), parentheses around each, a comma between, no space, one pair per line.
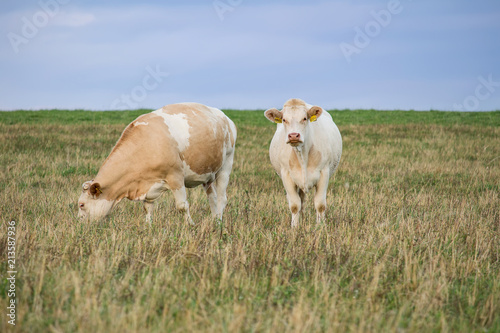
(411,242)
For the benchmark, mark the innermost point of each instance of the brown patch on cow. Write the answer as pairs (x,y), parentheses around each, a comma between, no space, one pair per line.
(294,209)
(205,153)
(321,208)
(313,160)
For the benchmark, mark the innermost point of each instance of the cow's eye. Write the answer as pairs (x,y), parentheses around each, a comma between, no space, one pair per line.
(81,205)
(304,119)
(284,120)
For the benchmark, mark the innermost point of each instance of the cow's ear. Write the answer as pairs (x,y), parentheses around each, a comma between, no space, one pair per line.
(274,115)
(95,189)
(314,113)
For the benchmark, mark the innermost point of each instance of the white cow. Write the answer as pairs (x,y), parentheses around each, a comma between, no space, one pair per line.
(178,146)
(305,151)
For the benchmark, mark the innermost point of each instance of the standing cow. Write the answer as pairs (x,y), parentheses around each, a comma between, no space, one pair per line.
(305,151)
(177,146)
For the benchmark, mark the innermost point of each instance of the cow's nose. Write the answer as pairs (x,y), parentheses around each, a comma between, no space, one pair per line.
(294,137)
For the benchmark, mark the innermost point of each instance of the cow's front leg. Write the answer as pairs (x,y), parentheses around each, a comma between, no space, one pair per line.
(182,204)
(148,207)
(320,195)
(294,199)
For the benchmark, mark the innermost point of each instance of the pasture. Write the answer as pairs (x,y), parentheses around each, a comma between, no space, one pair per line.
(411,241)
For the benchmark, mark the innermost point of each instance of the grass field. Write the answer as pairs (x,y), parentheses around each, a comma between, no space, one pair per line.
(411,242)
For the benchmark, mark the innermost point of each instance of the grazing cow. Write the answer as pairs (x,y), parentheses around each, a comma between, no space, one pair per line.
(305,151)
(177,146)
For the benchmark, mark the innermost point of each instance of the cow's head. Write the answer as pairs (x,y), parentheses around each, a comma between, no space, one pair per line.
(92,206)
(295,117)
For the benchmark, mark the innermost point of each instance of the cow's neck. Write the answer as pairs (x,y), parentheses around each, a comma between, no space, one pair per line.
(115,176)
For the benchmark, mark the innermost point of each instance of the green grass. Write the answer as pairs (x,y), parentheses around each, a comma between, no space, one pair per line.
(411,242)
(344,117)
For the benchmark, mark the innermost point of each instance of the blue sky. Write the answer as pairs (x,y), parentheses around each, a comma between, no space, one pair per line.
(394,54)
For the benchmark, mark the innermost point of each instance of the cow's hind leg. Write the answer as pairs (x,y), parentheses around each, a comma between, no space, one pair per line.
(320,196)
(212,197)
(302,196)
(182,204)
(221,182)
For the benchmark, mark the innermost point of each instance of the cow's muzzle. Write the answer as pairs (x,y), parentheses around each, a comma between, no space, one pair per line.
(294,139)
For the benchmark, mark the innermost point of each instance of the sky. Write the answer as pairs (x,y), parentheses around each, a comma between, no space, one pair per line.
(243,54)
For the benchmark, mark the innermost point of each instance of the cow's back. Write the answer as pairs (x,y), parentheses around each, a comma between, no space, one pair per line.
(204,135)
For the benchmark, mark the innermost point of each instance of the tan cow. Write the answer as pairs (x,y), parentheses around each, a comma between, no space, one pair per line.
(173,148)
(305,151)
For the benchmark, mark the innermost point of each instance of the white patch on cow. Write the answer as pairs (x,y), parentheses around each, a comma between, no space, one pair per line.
(154,192)
(141,123)
(178,127)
